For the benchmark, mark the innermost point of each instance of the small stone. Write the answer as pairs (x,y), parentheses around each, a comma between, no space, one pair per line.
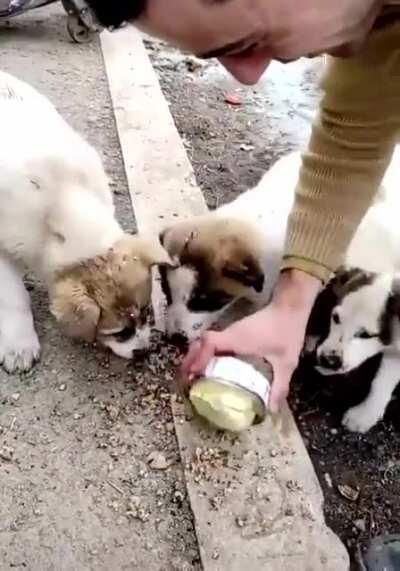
(157,461)
(360,524)
(348,492)
(170,427)
(215,554)
(246,147)
(232,99)
(179,497)
(7,453)
(240,522)
(334,431)
(62,387)
(113,412)
(273,453)
(77,416)
(15,396)
(328,480)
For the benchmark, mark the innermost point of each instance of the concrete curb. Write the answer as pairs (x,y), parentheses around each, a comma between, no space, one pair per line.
(256,499)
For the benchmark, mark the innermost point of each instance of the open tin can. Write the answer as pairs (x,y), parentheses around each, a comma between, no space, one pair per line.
(232,395)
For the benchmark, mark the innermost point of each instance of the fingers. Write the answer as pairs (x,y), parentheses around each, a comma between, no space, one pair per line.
(201,352)
(280,386)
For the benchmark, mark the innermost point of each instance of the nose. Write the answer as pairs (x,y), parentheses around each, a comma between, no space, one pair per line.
(247,69)
(179,339)
(330,361)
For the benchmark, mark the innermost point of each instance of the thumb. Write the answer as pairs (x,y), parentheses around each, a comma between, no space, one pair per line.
(202,351)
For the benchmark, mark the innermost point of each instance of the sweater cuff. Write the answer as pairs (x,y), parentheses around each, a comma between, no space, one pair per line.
(308,267)
(318,240)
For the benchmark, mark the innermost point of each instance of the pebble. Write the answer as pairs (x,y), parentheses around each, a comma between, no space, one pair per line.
(360,524)
(328,480)
(15,396)
(215,554)
(7,453)
(62,387)
(348,492)
(157,461)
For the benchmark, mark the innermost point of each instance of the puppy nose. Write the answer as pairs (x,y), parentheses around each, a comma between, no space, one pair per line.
(330,361)
(179,339)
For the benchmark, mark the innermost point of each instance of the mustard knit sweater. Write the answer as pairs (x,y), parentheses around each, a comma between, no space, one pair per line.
(350,148)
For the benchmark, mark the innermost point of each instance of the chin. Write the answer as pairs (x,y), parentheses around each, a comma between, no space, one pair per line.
(331,372)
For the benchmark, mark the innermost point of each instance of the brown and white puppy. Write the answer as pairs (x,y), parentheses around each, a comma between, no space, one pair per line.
(57,218)
(108,297)
(356,317)
(231,253)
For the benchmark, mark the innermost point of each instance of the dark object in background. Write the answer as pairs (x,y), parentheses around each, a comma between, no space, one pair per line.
(114,13)
(80,20)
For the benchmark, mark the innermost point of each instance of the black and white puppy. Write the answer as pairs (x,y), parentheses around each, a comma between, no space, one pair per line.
(356,317)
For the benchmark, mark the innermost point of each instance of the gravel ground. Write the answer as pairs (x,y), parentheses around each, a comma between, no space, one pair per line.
(89,465)
(230,146)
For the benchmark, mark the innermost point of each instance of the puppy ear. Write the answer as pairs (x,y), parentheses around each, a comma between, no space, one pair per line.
(349,279)
(320,317)
(76,312)
(247,272)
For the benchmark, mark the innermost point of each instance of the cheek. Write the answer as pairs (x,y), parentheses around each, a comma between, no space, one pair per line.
(359,350)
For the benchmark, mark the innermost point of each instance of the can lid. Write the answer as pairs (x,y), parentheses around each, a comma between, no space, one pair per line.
(241,374)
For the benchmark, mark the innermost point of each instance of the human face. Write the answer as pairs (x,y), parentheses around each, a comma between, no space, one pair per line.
(245,35)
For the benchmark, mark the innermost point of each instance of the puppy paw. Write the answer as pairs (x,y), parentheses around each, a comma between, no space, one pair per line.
(359,419)
(19,349)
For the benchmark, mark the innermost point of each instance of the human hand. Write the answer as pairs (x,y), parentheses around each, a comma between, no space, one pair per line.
(276,334)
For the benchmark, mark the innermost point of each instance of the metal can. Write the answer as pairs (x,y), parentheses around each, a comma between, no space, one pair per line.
(232,395)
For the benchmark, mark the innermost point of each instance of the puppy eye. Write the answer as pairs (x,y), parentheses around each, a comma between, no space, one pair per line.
(364,334)
(125,334)
(335,318)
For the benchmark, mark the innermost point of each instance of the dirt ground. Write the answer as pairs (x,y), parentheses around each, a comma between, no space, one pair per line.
(230,147)
(89,466)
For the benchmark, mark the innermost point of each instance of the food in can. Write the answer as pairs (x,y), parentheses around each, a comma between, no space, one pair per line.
(232,395)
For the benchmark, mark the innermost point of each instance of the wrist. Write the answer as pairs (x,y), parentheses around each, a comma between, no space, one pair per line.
(296,289)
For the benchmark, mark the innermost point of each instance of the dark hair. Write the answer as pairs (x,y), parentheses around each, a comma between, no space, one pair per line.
(112,13)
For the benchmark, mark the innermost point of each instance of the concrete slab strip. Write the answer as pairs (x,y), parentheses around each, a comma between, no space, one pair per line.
(256,499)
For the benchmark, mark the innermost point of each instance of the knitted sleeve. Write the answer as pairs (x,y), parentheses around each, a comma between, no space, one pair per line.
(350,148)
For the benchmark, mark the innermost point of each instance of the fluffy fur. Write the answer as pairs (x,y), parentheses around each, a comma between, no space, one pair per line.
(57,218)
(235,251)
(231,253)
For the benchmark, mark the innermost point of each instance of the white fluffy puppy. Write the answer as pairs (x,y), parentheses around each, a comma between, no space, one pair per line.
(57,218)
